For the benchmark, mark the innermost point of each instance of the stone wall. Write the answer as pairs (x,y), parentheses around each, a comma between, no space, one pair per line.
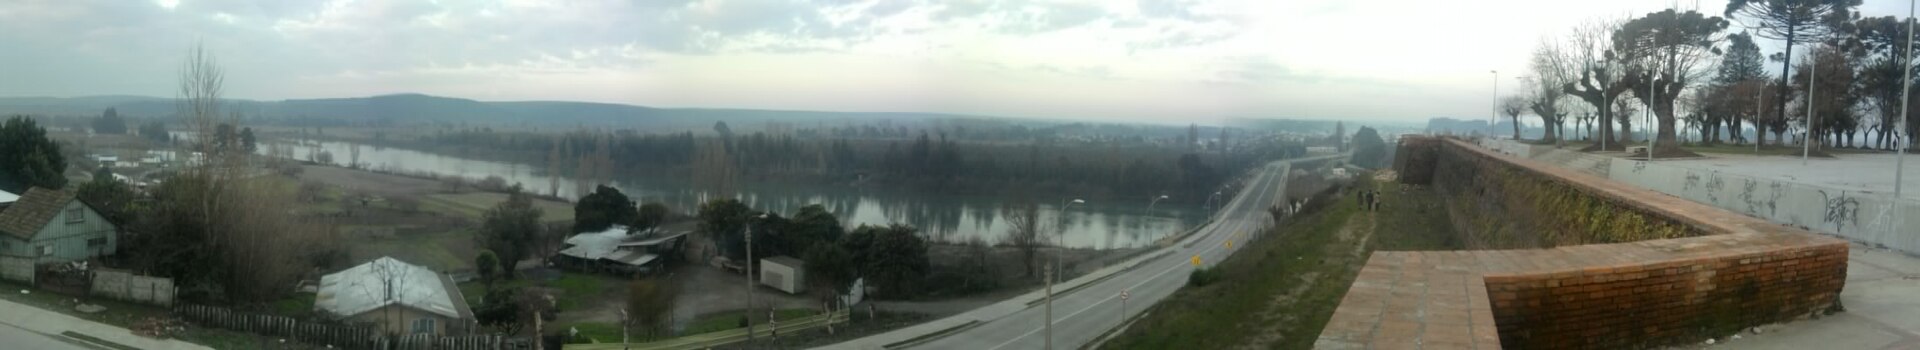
(1414,159)
(1499,204)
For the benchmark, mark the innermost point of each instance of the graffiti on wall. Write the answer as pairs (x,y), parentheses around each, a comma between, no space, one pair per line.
(1841,210)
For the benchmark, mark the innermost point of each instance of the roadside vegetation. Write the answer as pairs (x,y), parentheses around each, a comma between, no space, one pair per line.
(1280,292)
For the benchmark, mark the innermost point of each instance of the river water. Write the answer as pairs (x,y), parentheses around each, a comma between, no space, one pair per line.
(947,218)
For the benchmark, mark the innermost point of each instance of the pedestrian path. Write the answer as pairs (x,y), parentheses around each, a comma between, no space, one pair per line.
(55,324)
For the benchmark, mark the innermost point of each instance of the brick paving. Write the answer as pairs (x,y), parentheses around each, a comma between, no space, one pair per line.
(1746,272)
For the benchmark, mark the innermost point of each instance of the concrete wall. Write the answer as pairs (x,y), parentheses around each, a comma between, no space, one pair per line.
(1861,216)
(16,269)
(126,286)
(1867,217)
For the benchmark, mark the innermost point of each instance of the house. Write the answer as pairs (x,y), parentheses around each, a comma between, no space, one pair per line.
(784,273)
(52,227)
(396,297)
(614,249)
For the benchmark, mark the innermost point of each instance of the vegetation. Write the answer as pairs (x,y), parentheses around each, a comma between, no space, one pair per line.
(1278,290)
(603,208)
(110,122)
(28,158)
(510,229)
(650,307)
(1369,150)
(114,200)
(1024,231)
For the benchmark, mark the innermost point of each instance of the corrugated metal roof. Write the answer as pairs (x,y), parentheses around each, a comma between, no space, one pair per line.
(8,197)
(382,282)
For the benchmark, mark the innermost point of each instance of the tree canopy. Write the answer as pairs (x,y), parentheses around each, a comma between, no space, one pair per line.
(28,158)
(603,208)
(509,229)
(1369,150)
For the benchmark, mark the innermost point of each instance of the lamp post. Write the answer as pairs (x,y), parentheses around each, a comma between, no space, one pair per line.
(1156,200)
(1806,140)
(1906,87)
(749,271)
(1494,107)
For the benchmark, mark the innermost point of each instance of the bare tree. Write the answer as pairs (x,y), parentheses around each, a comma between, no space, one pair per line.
(1598,83)
(1551,70)
(1024,231)
(1667,49)
(353,155)
(713,169)
(1514,107)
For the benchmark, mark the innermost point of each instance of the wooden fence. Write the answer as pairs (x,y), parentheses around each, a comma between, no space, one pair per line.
(340,335)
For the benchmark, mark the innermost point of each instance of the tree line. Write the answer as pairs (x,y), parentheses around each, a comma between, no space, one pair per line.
(1694,76)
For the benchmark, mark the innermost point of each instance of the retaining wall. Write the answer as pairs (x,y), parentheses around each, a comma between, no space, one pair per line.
(1609,266)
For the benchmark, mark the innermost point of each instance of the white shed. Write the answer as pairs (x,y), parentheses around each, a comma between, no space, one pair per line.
(784,273)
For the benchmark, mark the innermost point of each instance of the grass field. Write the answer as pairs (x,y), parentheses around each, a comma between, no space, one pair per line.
(575,289)
(1281,291)
(730,320)
(473,205)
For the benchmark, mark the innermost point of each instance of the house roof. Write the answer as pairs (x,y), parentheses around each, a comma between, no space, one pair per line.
(24,217)
(609,244)
(383,282)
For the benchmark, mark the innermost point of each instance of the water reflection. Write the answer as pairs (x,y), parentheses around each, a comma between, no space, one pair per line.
(947,218)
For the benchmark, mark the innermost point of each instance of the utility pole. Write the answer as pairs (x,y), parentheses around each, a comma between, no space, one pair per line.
(1906,87)
(749,271)
(1494,117)
(1806,138)
(1049,326)
(1645,119)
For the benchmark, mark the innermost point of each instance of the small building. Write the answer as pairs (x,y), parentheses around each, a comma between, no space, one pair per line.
(53,227)
(784,273)
(396,297)
(617,250)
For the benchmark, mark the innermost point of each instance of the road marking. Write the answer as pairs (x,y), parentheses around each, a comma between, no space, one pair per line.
(1237,225)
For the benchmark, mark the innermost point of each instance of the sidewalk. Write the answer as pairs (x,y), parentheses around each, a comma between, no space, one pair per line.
(23,317)
(1882,312)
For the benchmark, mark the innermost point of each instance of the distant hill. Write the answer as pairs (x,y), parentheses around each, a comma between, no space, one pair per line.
(418,108)
(1469,127)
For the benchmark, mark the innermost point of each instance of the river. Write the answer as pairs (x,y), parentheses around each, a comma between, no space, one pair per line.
(946,218)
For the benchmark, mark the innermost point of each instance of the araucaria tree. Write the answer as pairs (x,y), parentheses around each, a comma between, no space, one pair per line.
(1742,80)
(1883,41)
(1793,21)
(1667,49)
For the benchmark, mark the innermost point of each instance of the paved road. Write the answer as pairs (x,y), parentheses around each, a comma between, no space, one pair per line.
(1082,315)
(20,338)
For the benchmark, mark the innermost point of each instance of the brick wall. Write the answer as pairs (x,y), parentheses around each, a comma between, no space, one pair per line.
(1664,303)
(1613,265)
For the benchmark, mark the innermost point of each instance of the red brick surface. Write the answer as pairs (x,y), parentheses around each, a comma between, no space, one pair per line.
(1746,272)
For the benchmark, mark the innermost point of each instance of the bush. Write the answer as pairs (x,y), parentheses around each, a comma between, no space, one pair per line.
(1204,276)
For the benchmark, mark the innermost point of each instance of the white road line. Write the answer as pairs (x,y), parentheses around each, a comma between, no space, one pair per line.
(1238,225)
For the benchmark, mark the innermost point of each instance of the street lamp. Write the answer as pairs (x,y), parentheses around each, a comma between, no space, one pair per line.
(1906,87)
(1494,107)
(1210,200)
(1155,200)
(749,270)
(1058,256)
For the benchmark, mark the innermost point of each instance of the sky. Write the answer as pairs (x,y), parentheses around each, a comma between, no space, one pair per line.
(1146,60)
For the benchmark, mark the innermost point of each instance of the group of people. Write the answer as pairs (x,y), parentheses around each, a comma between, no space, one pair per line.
(1369,199)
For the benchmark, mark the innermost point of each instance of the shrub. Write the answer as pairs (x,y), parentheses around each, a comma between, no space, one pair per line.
(1204,276)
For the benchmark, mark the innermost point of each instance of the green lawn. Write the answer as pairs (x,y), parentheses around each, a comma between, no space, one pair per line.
(472,205)
(296,305)
(1253,288)
(730,320)
(600,332)
(575,289)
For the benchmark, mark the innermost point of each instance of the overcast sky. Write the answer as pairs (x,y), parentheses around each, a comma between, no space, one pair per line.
(1166,60)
